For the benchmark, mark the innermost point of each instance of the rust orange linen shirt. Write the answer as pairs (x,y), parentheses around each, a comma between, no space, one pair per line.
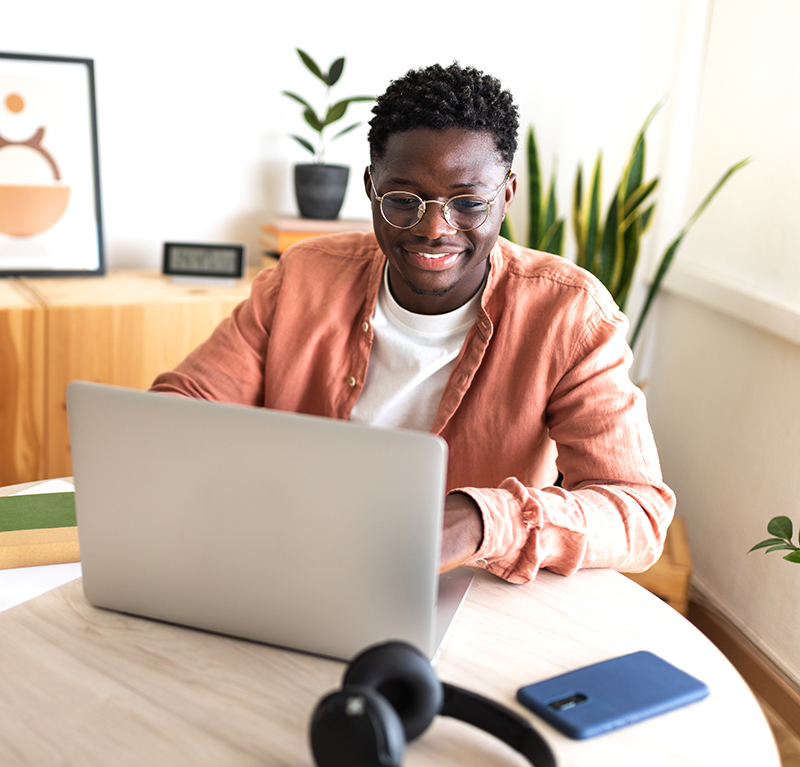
(542,380)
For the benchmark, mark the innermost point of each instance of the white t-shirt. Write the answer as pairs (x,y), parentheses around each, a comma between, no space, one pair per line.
(411,359)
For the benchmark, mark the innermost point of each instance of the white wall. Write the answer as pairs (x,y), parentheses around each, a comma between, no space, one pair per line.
(193,129)
(724,409)
(726,363)
(751,107)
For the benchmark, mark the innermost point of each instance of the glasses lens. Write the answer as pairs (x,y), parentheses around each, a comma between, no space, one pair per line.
(401,209)
(466,212)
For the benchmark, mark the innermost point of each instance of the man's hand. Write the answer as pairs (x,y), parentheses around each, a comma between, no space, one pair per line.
(463,530)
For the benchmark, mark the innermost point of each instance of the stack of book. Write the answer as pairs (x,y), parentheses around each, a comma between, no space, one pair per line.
(38,529)
(284,231)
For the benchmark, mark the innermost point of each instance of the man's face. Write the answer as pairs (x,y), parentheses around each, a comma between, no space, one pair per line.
(433,267)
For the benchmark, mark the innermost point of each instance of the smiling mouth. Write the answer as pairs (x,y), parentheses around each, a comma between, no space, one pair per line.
(432,256)
(436,262)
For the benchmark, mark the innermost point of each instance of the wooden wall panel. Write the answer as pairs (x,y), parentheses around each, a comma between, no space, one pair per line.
(22,327)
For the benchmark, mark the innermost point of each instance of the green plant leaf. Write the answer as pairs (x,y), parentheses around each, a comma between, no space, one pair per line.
(634,171)
(781,527)
(336,111)
(592,223)
(553,239)
(345,130)
(793,557)
(534,192)
(669,254)
(299,99)
(768,542)
(305,144)
(634,200)
(577,217)
(335,72)
(663,267)
(313,120)
(647,216)
(608,247)
(312,66)
(551,210)
(782,547)
(631,241)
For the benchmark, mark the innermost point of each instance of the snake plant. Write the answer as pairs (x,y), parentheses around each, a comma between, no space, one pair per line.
(608,247)
(545,227)
(611,250)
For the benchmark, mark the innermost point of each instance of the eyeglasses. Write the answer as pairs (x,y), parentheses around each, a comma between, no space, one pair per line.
(464,212)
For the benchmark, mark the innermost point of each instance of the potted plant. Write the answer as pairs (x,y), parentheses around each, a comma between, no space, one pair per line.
(611,252)
(608,249)
(780,528)
(319,187)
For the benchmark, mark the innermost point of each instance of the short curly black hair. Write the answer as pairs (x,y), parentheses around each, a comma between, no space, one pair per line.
(439,97)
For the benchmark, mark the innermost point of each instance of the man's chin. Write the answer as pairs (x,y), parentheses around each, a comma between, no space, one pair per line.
(439,293)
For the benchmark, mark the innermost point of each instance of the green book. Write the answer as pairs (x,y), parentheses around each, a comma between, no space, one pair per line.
(38,529)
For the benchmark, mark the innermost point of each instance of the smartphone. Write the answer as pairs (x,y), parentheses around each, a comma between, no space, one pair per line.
(611,694)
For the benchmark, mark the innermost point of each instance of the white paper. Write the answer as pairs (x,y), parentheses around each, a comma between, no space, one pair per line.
(50,486)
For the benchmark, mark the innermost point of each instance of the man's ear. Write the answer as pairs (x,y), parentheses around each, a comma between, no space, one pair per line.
(367,183)
(511,191)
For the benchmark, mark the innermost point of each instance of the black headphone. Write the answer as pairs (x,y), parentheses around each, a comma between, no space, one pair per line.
(390,694)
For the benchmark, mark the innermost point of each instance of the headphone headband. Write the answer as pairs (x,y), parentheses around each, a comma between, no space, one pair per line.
(497,720)
(389,696)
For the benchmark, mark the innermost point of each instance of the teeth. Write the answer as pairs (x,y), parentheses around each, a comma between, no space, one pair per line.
(433,255)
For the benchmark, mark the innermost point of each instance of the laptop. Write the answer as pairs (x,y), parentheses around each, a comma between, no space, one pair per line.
(303,532)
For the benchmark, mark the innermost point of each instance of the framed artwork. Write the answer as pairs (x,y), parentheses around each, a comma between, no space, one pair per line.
(50,213)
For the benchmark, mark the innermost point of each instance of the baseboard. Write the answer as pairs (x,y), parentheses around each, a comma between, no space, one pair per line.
(762,675)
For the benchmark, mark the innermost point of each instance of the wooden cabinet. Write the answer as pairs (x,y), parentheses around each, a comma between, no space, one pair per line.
(22,328)
(123,328)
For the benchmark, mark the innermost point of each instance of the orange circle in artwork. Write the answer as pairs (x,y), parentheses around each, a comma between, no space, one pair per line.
(15,102)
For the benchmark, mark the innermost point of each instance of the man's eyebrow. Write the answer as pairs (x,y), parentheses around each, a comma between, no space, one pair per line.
(398,181)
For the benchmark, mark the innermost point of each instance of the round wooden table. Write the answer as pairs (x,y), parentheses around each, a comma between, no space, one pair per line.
(86,686)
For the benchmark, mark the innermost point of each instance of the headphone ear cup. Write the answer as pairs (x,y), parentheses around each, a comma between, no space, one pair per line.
(402,675)
(356,727)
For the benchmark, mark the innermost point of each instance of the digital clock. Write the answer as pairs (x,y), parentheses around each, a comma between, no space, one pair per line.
(198,260)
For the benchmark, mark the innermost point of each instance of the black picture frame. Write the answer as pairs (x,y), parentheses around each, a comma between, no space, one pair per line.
(212,260)
(51,222)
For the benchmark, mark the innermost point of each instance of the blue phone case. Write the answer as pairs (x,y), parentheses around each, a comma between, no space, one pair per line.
(605,696)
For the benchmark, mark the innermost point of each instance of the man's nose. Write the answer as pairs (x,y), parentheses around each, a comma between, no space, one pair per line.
(433,223)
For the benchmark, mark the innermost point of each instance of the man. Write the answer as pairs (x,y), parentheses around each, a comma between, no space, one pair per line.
(516,358)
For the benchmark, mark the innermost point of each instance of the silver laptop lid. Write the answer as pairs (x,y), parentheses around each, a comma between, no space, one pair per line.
(304,532)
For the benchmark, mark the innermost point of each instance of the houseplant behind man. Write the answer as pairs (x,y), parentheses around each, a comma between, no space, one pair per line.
(320,187)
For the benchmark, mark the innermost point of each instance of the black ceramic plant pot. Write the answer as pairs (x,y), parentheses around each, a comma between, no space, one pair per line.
(320,189)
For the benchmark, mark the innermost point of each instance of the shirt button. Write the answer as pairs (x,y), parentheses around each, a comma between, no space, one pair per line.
(481,562)
(351,381)
(365,327)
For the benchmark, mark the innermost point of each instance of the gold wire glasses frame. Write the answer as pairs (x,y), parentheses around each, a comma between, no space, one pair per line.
(404,210)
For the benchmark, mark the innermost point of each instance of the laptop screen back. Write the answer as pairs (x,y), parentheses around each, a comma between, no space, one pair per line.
(304,532)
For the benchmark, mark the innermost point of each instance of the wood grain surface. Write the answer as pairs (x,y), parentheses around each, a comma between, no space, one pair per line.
(83,686)
(123,328)
(22,333)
